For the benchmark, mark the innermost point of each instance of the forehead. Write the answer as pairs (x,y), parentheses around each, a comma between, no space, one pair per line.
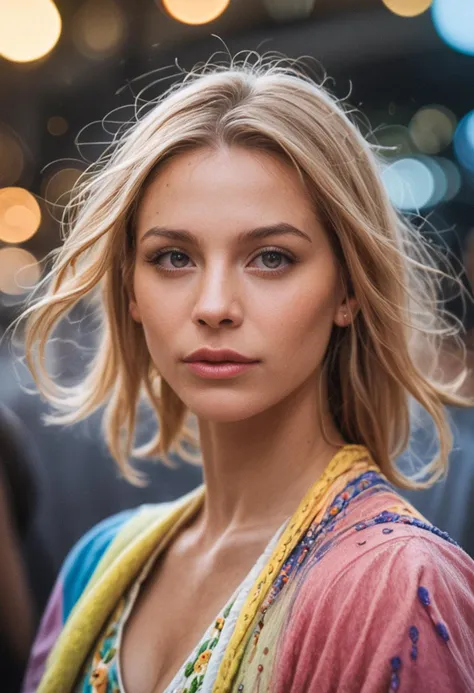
(227,187)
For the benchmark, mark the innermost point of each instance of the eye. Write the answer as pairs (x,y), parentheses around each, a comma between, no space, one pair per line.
(177,260)
(175,256)
(274,256)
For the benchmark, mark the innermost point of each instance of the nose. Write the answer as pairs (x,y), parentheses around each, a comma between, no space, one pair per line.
(216,301)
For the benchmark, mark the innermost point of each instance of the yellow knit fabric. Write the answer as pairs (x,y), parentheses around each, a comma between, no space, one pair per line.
(155,526)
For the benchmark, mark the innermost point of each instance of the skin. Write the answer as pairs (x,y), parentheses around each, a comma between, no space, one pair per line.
(261,444)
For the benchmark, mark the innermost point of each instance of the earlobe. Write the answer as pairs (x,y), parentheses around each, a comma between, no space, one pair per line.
(346,313)
(134,312)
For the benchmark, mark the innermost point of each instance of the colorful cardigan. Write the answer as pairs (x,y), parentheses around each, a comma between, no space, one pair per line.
(359,594)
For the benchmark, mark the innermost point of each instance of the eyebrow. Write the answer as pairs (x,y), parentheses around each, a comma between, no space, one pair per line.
(183,236)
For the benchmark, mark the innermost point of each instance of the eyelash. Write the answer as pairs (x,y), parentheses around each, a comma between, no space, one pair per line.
(156,256)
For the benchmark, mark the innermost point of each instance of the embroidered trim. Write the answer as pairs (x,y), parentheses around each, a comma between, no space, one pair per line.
(387,516)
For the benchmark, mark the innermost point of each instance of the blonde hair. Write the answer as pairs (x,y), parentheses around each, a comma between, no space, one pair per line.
(376,368)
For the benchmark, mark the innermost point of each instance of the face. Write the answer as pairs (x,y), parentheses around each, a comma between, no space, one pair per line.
(274,299)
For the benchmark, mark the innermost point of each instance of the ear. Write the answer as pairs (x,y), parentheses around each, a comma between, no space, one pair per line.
(134,310)
(346,312)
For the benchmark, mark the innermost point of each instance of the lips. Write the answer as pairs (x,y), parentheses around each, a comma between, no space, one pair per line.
(219,356)
(218,370)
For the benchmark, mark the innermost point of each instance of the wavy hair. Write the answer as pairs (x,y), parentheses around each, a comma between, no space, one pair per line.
(387,359)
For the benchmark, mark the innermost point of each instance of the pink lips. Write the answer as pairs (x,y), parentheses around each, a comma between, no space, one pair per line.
(215,370)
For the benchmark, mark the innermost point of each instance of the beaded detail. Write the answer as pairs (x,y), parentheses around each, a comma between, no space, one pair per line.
(327,524)
(414,635)
(424,596)
(388,516)
(396,663)
(442,631)
(353,459)
(316,529)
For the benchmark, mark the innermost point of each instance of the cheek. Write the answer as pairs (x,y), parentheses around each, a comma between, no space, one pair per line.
(157,316)
(306,317)
(150,303)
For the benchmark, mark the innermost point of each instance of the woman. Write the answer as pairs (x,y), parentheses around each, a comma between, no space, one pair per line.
(251,273)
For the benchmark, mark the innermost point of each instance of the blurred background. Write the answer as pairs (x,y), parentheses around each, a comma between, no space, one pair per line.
(69,76)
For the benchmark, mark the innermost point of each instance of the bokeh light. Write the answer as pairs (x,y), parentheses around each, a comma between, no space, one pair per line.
(410,184)
(99,28)
(57,125)
(453,177)
(454,22)
(20,215)
(289,10)
(197,11)
(19,271)
(56,187)
(464,142)
(397,140)
(29,29)
(420,182)
(12,159)
(407,8)
(432,128)
(440,183)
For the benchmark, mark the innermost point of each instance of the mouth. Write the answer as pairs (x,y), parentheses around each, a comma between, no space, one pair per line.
(219,369)
(220,363)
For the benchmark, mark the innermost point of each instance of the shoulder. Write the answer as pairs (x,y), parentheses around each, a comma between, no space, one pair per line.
(394,602)
(76,572)
(86,554)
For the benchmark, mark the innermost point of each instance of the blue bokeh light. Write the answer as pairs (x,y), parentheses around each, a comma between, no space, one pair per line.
(454,22)
(463,141)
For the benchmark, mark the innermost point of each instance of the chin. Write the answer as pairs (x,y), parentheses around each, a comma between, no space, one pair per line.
(225,409)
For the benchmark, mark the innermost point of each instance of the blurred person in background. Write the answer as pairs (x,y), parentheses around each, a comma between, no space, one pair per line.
(18,495)
(245,211)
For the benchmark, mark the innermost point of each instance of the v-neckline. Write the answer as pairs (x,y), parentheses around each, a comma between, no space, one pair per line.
(239,595)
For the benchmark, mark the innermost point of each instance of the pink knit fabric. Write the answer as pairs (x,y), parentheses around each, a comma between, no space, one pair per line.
(368,619)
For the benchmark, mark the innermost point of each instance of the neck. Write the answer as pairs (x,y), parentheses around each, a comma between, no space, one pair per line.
(256,471)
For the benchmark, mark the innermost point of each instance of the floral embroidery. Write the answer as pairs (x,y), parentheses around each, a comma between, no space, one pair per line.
(102,673)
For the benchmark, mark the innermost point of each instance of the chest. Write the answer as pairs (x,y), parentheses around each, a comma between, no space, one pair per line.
(178,602)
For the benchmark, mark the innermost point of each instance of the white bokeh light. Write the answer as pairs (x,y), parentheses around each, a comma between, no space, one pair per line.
(410,184)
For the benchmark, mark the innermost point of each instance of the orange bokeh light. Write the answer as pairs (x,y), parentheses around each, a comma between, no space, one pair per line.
(20,215)
(197,11)
(29,29)
(19,271)
(407,8)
